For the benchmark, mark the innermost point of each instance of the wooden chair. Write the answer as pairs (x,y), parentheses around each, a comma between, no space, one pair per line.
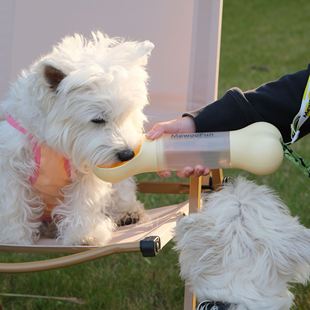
(189,81)
(148,237)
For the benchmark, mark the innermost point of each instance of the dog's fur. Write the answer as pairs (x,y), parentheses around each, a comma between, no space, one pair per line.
(243,248)
(56,101)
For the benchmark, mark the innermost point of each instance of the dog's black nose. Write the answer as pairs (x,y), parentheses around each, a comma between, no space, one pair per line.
(125,155)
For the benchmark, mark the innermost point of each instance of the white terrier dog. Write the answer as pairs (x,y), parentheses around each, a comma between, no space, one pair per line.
(77,107)
(242,249)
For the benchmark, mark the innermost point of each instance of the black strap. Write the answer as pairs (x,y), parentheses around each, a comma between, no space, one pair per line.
(213,305)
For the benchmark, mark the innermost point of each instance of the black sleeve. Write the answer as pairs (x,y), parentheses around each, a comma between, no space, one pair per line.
(275,102)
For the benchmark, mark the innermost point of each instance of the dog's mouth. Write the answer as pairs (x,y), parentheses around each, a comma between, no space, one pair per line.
(120,163)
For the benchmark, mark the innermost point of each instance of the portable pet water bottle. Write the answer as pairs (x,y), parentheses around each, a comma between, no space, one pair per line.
(256,148)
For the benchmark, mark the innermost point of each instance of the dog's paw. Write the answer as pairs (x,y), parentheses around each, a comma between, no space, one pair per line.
(92,231)
(129,215)
(18,233)
(48,230)
(128,219)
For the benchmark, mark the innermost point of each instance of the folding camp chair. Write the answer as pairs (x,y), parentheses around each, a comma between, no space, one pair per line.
(184,75)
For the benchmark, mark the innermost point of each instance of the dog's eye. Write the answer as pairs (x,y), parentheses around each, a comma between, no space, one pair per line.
(98,120)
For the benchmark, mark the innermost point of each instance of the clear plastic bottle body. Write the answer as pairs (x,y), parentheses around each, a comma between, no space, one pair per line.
(210,150)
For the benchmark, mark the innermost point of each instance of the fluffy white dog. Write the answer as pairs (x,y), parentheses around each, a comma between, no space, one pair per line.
(79,106)
(242,249)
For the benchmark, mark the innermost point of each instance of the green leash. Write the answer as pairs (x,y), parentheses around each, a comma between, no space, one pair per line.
(297,160)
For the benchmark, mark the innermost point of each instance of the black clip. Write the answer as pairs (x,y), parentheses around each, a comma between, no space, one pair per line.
(227,180)
(150,246)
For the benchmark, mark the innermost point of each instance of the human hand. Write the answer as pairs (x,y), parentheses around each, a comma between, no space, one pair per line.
(181,125)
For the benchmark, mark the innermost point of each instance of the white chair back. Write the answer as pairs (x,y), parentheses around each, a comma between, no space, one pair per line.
(186,33)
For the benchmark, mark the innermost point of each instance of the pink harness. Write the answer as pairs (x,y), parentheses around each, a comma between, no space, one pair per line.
(52,172)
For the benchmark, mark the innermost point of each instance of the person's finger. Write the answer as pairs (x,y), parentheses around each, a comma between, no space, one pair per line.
(201,171)
(156,131)
(155,134)
(198,171)
(164,173)
(180,125)
(206,171)
(186,172)
(159,129)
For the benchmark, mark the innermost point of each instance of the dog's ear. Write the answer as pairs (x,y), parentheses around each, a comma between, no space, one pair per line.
(143,51)
(53,76)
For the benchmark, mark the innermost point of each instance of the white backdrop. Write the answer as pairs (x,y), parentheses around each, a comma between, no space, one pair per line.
(186,33)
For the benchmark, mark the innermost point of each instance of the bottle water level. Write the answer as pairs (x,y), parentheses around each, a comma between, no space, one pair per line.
(209,149)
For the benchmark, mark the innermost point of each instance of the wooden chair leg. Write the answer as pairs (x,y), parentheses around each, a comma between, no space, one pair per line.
(189,299)
(194,205)
(217,177)
(194,193)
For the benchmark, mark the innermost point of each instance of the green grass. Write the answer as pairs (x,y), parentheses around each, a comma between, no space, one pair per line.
(261,40)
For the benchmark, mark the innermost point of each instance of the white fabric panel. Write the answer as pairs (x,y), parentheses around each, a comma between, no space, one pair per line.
(30,28)
(6,41)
